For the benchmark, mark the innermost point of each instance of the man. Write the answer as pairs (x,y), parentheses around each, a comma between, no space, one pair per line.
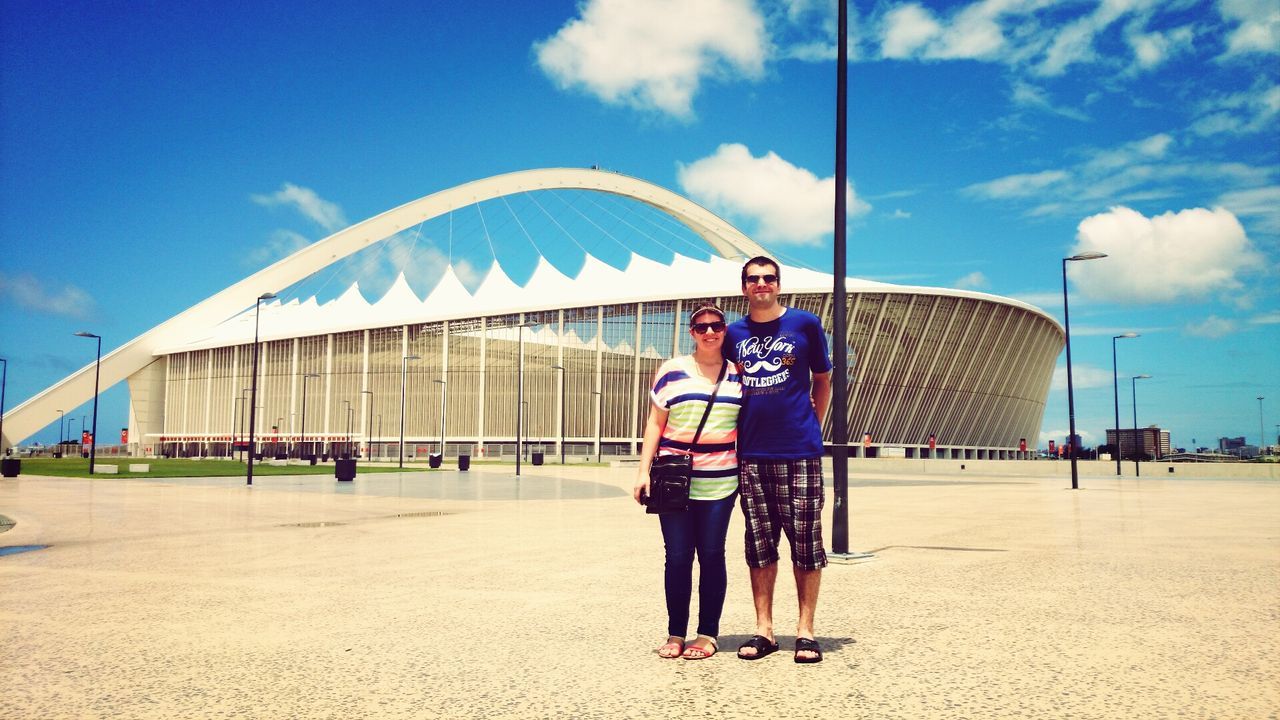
(781,353)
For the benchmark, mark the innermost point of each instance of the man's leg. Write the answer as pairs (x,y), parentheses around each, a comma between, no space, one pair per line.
(762,584)
(807,584)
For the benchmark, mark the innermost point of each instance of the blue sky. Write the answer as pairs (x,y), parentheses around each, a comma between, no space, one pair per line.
(153,153)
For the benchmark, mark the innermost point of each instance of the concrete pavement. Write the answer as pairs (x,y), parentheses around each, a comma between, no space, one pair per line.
(476,595)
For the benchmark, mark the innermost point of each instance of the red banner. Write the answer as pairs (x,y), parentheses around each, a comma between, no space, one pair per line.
(1053,449)
(1022,444)
(124,436)
(933,442)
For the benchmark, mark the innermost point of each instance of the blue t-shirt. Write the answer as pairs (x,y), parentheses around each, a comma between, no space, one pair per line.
(777,421)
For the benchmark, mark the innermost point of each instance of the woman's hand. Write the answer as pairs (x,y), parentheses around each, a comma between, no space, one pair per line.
(641,489)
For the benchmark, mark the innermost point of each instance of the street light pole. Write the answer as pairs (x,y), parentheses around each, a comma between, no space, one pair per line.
(1116,389)
(253,383)
(1137,455)
(562,391)
(368,429)
(519,390)
(599,423)
(348,404)
(1071,402)
(97,368)
(1262,440)
(302,434)
(4,382)
(443,388)
(404,371)
(61,416)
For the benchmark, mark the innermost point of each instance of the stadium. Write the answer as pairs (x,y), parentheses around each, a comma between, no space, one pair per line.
(591,276)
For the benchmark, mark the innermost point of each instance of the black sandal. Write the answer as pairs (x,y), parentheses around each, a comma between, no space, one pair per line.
(808,645)
(761,644)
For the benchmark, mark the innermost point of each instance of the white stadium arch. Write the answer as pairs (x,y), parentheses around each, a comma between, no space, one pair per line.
(29,416)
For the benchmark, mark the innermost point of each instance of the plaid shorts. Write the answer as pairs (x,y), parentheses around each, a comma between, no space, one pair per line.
(783,495)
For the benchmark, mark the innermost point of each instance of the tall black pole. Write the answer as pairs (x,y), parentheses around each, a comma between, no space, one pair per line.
(4,381)
(253,383)
(404,373)
(1116,390)
(840,354)
(1071,402)
(368,429)
(62,416)
(93,430)
(519,390)
(302,433)
(1140,445)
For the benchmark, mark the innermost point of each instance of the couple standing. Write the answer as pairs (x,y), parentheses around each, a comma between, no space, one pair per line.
(768,379)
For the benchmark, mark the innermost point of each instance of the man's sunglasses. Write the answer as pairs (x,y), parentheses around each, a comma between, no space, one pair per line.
(703,327)
(768,279)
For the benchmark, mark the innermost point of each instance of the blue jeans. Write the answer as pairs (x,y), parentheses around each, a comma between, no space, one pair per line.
(701,529)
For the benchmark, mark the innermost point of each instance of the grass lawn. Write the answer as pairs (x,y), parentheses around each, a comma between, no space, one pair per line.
(79,467)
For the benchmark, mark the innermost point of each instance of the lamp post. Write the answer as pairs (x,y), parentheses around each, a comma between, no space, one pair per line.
(368,429)
(244,412)
(1115,387)
(404,371)
(519,391)
(562,391)
(348,404)
(1262,440)
(443,387)
(302,434)
(61,417)
(1137,455)
(4,381)
(381,444)
(599,422)
(253,383)
(1071,403)
(93,430)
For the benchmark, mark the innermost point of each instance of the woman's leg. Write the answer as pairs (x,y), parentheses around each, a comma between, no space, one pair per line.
(711,524)
(678,538)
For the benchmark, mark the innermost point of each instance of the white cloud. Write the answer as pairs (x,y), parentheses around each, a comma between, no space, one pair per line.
(1252,111)
(1016,186)
(1262,203)
(1175,256)
(654,55)
(1153,49)
(900,214)
(1083,377)
(907,29)
(1258,28)
(31,293)
(788,204)
(1025,94)
(280,245)
(1267,318)
(305,200)
(973,281)
(1212,327)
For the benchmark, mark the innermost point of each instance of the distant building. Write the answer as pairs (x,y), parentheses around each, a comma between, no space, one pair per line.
(1149,442)
(1229,444)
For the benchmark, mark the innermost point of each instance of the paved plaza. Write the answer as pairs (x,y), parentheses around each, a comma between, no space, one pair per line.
(479,595)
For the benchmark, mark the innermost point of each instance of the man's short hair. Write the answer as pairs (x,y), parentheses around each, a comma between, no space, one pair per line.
(762,260)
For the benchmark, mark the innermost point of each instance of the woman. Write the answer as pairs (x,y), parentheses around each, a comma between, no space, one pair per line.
(679,396)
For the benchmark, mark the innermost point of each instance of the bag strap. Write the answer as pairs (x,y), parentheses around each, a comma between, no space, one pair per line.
(710,401)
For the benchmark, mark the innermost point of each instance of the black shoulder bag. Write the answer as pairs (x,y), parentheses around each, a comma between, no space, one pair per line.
(669,475)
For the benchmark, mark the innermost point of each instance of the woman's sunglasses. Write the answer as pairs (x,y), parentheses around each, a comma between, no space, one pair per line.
(702,327)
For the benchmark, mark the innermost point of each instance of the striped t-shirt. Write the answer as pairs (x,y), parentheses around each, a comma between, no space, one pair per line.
(679,389)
